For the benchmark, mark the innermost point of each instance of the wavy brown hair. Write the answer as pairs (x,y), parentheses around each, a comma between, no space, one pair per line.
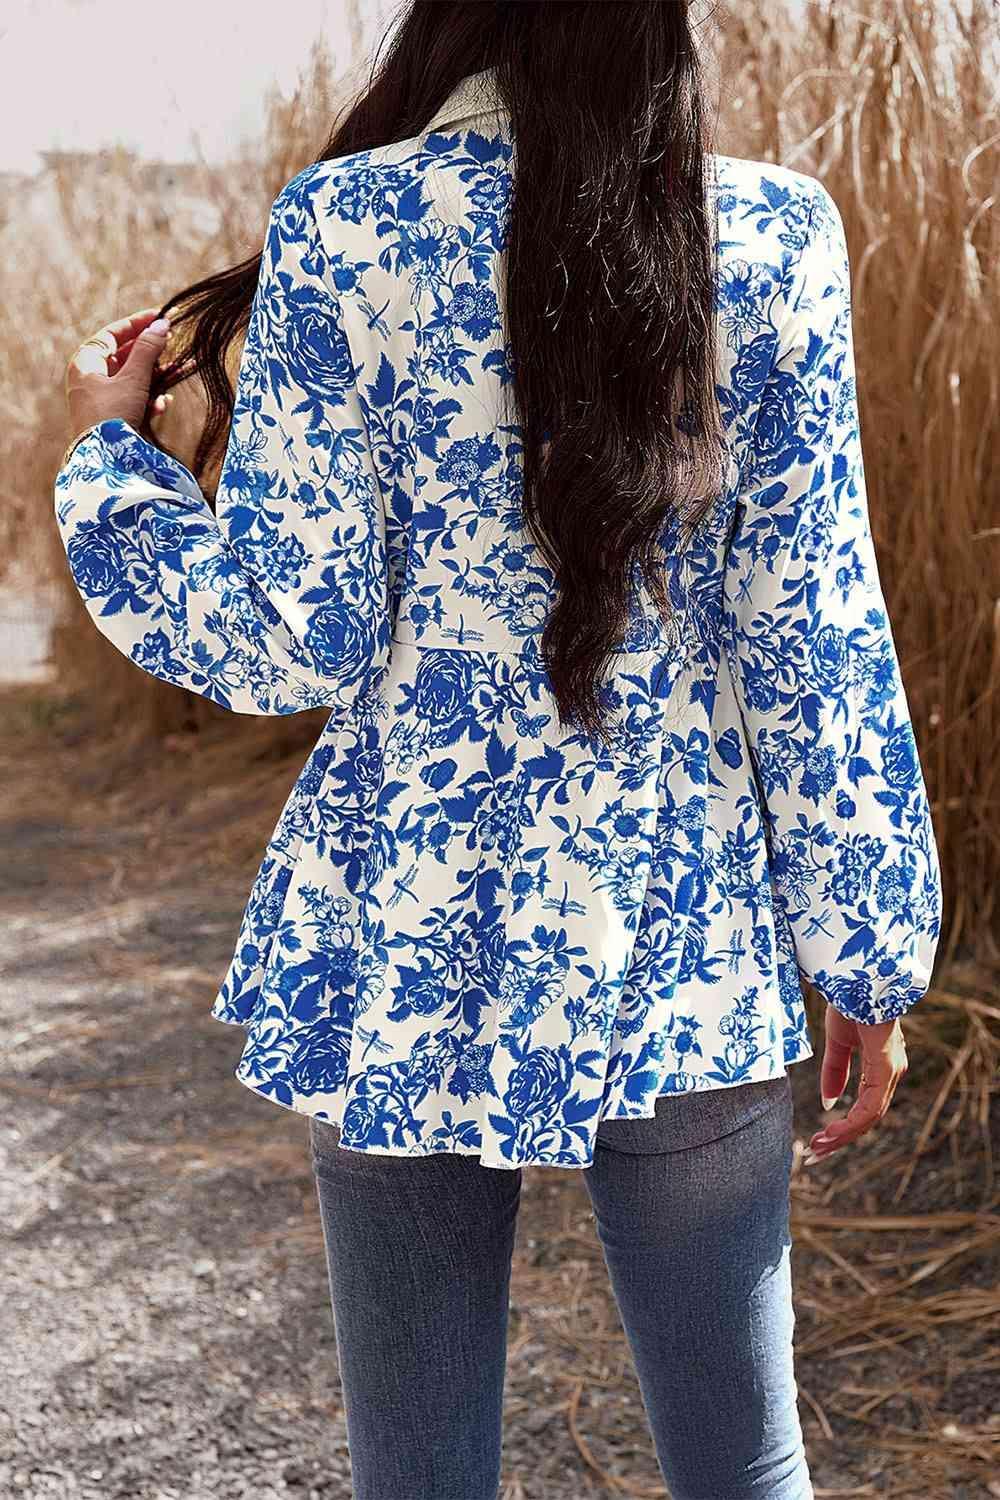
(609,296)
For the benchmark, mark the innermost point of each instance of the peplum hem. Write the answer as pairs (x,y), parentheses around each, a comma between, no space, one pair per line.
(548,977)
(434,1144)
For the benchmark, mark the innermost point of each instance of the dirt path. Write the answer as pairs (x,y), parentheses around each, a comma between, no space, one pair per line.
(163,1290)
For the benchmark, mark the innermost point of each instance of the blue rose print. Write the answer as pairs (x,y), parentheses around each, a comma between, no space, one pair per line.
(97,557)
(339,642)
(315,350)
(537,1084)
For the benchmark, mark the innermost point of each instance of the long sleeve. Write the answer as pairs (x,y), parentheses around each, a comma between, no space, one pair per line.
(853,858)
(277,601)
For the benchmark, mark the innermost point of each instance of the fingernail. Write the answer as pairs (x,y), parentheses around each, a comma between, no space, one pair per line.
(829,1103)
(160,325)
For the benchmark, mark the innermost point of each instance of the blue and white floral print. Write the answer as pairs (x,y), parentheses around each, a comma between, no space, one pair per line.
(472,932)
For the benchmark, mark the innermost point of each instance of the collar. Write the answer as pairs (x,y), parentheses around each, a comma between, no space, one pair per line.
(475,94)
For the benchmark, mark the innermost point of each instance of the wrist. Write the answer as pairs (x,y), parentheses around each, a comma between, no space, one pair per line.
(78,438)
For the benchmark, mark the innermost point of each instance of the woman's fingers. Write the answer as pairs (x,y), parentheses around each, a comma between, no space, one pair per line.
(106,350)
(92,356)
(869,1107)
(118,359)
(111,372)
(840,1044)
(125,329)
(883,1063)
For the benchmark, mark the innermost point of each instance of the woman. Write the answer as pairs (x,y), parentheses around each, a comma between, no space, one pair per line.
(544,477)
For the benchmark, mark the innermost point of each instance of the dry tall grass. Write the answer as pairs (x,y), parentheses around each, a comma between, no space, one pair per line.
(894,109)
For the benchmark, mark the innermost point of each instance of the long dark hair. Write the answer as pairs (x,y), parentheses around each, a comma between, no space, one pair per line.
(609,300)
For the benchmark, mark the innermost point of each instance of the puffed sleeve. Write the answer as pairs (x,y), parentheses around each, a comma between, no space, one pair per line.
(277,601)
(853,859)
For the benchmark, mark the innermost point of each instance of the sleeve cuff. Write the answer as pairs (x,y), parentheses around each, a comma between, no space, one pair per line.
(78,439)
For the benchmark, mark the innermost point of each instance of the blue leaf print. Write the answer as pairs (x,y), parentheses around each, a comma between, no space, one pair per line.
(382,391)
(775,195)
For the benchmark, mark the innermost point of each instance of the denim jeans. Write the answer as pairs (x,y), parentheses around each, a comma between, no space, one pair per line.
(692,1213)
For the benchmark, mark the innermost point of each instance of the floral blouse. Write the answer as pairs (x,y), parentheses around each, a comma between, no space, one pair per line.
(471,931)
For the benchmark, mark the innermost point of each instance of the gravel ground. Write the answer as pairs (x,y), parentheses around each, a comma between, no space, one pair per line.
(163,1294)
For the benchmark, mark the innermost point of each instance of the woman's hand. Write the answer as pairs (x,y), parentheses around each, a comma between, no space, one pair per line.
(883,1063)
(111,371)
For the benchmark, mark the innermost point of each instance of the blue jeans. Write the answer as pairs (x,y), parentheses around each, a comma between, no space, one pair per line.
(692,1213)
